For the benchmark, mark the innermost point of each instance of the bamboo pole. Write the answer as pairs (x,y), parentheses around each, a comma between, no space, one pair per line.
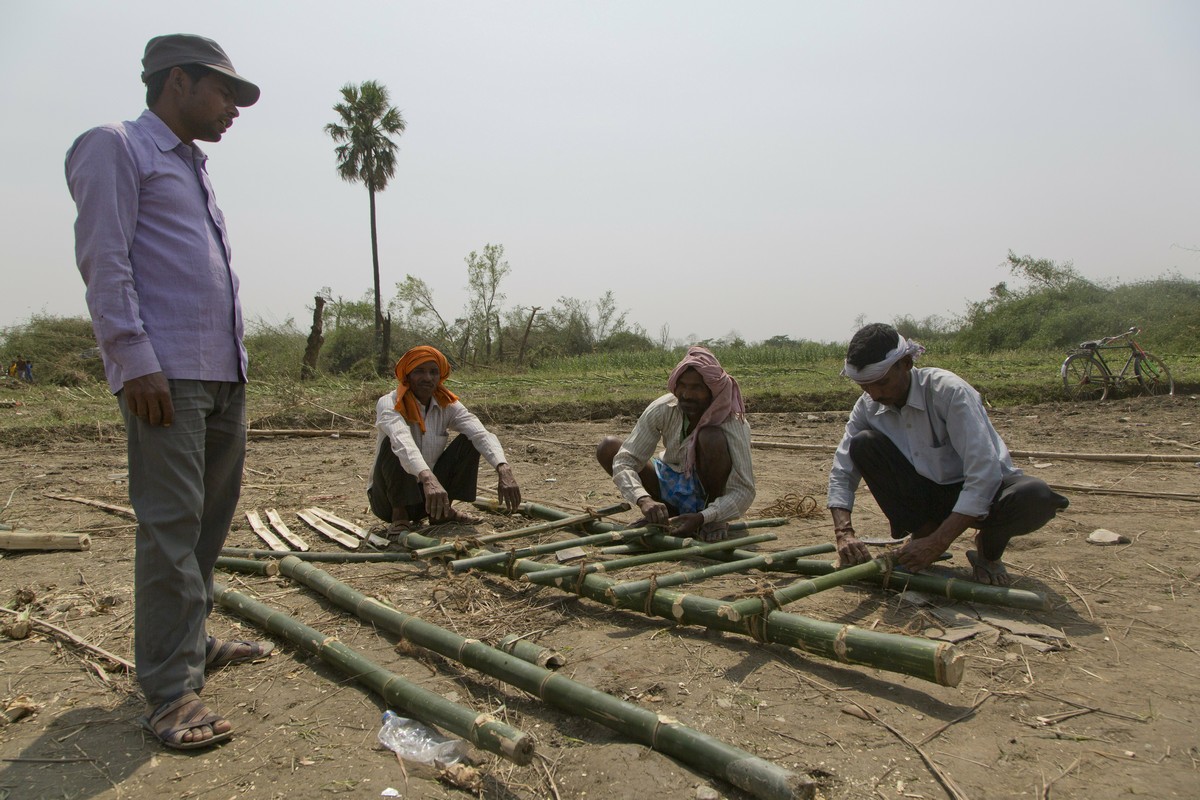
(752,606)
(622,591)
(475,562)
(42,540)
(528,651)
(1069,487)
(769,522)
(555,575)
(939,662)
(248,565)
(541,527)
(699,750)
(950,588)
(482,730)
(328,558)
(88,502)
(263,433)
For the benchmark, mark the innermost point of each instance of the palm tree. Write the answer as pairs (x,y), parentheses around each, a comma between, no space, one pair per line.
(367,154)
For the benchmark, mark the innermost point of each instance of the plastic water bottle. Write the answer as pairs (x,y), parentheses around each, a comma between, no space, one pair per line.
(413,741)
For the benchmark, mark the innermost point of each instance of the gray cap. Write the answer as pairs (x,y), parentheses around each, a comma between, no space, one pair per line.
(176,49)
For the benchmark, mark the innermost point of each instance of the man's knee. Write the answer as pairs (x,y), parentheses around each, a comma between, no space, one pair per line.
(1036,494)
(866,443)
(606,451)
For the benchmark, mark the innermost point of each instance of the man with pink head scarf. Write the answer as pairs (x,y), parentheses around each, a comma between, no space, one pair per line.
(703,477)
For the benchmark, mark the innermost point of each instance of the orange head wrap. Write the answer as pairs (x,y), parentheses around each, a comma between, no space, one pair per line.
(406,403)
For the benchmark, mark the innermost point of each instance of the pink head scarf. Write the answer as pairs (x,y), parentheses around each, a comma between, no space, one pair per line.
(726,396)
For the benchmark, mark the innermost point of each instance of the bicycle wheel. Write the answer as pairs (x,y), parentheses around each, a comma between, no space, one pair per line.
(1153,375)
(1084,378)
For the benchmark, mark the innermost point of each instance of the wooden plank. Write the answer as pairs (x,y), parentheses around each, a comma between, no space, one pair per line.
(265,533)
(284,531)
(347,525)
(325,529)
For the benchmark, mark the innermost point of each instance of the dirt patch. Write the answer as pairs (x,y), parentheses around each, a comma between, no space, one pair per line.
(1113,711)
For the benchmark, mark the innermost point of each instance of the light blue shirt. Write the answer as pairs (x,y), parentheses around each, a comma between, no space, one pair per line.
(154,253)
(944,432)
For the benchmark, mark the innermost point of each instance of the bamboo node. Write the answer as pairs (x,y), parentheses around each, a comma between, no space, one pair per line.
(648,608)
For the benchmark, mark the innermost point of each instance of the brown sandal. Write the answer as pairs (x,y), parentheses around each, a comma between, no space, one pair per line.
(171,720)
(220,653)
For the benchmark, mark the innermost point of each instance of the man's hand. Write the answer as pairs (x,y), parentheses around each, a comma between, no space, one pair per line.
(507,489)
(920,553)
(687,524)
(849,549)
(437,501)
(149,398)
(653,512)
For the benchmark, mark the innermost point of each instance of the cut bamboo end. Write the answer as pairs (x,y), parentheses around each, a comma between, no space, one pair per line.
(30,540)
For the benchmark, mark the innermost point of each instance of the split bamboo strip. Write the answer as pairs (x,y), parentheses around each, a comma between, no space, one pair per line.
(751,606)
(350,527)
(284,531)
(87,502)
(542,527)
(475,562)
(555,575)
(248,565)
(263,433)
(325,529)
(1183,458)
(528,651)
(328,558)
(621,591)
(755,775)
(66,634)
(482,730)
(1068,487)
(939,662)
(265,533)
(42,540)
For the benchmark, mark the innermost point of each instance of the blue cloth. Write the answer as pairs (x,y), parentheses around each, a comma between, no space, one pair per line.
(684,492)
(152,247)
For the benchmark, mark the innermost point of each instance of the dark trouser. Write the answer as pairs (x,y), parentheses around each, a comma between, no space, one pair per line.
(184,483)
(457,469)
(914,504)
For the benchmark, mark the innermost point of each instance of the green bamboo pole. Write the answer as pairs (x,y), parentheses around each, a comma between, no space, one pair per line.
(528,651)
(543,527)
(699,750)
(770,522)
(482,730)
(939,662)
(897,579)
(476,562)
(249,566)
(309,555)
(950,588)
(555,575)
(803,588)
(766,560)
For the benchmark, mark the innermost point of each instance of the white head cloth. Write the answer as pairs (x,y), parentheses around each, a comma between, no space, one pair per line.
(873,372)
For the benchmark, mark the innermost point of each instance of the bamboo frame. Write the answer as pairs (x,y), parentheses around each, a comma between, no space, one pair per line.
(541,527)
(482,730)
(757,776)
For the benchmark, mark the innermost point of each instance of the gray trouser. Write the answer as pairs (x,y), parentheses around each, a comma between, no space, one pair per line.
(184,483)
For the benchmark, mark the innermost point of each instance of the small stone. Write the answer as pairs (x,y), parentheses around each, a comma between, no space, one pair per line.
(1105,538)
(706,793)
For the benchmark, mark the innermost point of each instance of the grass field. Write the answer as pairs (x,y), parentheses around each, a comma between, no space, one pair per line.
(597,387)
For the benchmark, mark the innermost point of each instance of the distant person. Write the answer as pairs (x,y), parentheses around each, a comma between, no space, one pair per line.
(153,250)
(703,478)
(28,373)
(418,471)
(922,440)
(13,367)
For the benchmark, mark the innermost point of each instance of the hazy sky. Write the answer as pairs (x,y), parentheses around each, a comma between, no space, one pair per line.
(760,167)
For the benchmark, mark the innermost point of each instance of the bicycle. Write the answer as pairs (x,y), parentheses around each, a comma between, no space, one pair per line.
(1087,375)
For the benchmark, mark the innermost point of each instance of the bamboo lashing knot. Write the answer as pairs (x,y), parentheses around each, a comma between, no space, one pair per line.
(648,608)
(510,563)
(579,579)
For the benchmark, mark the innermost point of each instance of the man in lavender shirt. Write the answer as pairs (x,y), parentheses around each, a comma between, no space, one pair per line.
(153,250)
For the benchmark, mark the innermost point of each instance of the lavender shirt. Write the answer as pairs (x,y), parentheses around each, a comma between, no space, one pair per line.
(153,250)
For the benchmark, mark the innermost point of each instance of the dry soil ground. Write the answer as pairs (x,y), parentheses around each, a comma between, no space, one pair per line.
(1113,712)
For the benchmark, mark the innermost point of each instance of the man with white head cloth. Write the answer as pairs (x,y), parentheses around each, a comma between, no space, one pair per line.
(921,439)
